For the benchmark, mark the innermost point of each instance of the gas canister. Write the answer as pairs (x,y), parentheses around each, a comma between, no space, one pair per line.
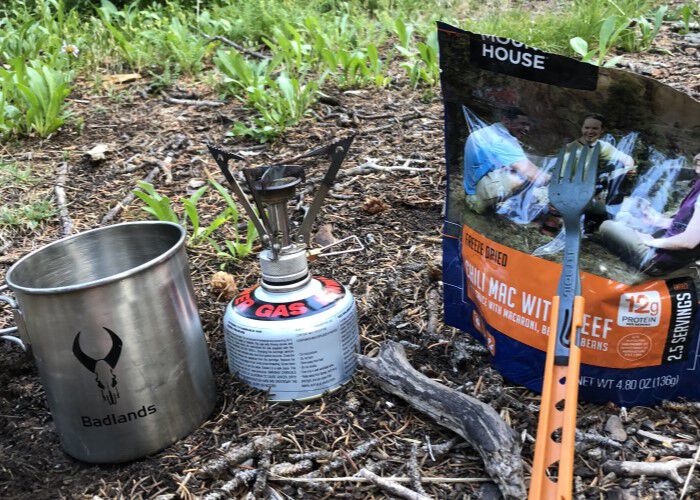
(297,344)
(293,335)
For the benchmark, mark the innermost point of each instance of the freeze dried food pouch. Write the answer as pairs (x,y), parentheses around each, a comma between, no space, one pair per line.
(509,111)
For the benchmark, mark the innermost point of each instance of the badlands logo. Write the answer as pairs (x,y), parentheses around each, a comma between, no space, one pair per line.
(102,368)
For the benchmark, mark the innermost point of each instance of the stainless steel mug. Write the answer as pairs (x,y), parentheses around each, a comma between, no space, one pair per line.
(112,321)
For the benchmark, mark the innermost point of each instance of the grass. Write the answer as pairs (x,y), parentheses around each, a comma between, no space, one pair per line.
(45,44)
(27,212)
(12,175)
(27,215)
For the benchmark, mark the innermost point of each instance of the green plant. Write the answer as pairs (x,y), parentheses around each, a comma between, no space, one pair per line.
(641,32)
(289,50)
(241,76)
(184,47)
(157,205)
(610,31)
(29,215)
(281,103)
(199,233)
(38,93)
(107,11)
(163,208)
(9,113)
(421,64)
(237,249)
(355,68)
(687,13)
(12,175)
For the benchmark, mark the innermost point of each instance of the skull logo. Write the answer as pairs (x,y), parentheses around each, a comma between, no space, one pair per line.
(102,368)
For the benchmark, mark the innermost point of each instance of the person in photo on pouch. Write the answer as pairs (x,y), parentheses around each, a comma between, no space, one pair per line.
(613,166)
(495,165)
(676,239)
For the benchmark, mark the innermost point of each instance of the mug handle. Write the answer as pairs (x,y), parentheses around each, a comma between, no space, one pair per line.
(19,320)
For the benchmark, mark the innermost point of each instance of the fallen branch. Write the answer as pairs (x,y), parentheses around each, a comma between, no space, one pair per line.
(476,422)
(263,472)
(241,478)
(668,470)
(396,479)
(116,210)
(238,47)
(683,406)
(247,476)
(436,451)
(690,474)
(311,455)
(370,166)
(192,102)
(237,455)
(592,437)
(66,221)
(392,487)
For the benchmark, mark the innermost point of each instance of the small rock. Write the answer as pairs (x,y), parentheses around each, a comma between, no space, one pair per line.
(489,491)
(324,236)
(352,402)
(615,429)
(595,453)
(196,183)
(692,39)
(97,153)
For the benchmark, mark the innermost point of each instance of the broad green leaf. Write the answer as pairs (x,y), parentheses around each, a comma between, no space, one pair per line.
(579,45)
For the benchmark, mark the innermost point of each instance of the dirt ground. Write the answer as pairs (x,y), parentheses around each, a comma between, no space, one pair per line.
(391,282)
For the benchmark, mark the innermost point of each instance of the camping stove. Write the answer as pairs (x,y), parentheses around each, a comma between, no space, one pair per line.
(293,334)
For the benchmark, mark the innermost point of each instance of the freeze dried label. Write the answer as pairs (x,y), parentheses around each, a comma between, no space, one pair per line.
(506,56)
(640,309)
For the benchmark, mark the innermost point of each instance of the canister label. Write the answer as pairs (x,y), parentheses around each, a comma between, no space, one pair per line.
(294,362)
(249,306)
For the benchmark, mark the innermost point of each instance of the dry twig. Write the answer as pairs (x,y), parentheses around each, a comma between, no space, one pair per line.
(66,221)
(414,471)
(238,47)
(392,487)
(116,210)
(668,469)
(690,474)
(237,455)
(243,477)
(192,102)
(362,449)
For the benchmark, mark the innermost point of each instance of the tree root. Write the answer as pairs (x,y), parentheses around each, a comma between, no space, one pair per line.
(476,422)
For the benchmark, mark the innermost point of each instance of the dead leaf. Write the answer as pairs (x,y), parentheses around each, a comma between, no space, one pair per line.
(121,79)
